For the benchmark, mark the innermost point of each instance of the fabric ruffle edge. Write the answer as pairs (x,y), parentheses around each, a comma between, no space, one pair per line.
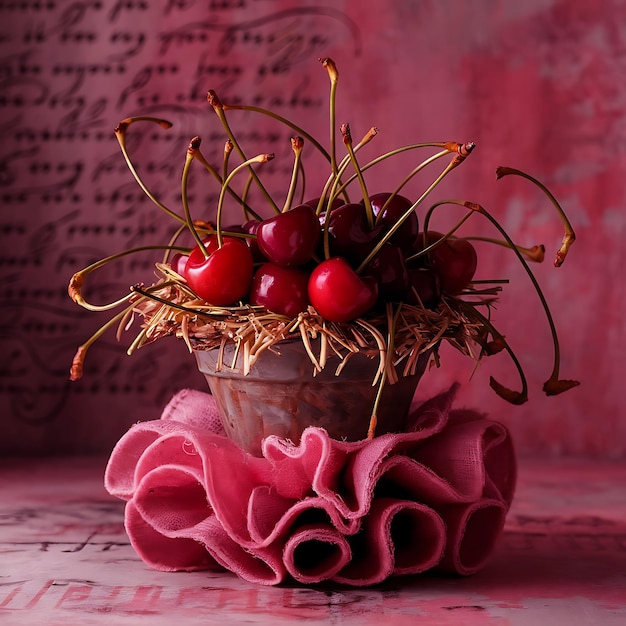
(354,513)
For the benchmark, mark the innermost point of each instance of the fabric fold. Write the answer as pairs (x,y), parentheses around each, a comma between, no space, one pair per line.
(473,531)
(355,513)
(399,537)
(315,553)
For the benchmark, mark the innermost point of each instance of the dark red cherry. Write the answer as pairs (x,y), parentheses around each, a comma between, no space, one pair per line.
(289,239)
(423,287)
(389,269)
(251,227)
(224,277)
(350,233)
(336,203)
(178,262)
(397,207)
(338,293)
(282,290)
(454,260)
(232,228)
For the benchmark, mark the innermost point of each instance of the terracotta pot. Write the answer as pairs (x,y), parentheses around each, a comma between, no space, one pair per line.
(280,396)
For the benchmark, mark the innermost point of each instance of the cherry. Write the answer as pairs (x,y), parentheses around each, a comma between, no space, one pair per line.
(290,238)
(397,207)
(454,260)
(335,204)
(282,290)
(338,293)
(178,262)
(251,227)
(351,235)
(231,229)
(389,269)
(224,276)
(423,283)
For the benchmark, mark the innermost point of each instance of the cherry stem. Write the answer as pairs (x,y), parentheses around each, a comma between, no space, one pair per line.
(330,193)
(333,74)
(535,253)
(426,247)
(297,143)
(553,385)
(383,350)
(421,166)
(303,186)
(413,173)
(218,107)
(398,151)
(228,148)
(259,158)
(347,140)
(172,242)
(76,371)
(334,180)
(339,188)
(146,294)
(78,279)
(146,331)
(453,163)
(283,120)
(120,134)
(392,323)
(514,397)
(408,148)
(334,187)
(247,210)
(173,305)
(192,150)
(244,200)
(569,237)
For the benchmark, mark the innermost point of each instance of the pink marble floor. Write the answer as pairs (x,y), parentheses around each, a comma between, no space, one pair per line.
(65,560)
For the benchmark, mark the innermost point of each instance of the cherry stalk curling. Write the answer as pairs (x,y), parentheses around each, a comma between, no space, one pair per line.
(330,267)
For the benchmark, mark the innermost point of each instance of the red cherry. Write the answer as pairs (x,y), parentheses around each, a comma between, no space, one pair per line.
(282,290)
(397,207)
(454,260)
(289,238)
(389,269)
(338,293)
(251,227)
(424,282)
(232,228)
(351,236)
(336,203)
(178,262)
(224,276)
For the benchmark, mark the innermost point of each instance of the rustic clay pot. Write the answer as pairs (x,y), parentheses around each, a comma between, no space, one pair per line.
(280,396)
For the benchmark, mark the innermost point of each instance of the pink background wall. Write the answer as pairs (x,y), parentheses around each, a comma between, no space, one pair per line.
(538,85)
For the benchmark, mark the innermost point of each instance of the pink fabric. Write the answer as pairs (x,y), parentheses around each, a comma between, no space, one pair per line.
(355,513)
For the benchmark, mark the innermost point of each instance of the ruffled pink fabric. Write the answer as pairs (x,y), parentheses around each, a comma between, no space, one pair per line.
(354,513)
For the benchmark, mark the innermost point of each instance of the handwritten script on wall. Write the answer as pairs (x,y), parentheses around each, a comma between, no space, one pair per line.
(69,72)
(538,86)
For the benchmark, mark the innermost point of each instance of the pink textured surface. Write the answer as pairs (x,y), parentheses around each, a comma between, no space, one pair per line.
(65,560)
(355,513)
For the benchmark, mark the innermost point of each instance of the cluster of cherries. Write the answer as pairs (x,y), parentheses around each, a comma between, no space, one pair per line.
(344,260)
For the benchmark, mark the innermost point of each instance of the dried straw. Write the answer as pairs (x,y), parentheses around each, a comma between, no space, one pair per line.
(174,309)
